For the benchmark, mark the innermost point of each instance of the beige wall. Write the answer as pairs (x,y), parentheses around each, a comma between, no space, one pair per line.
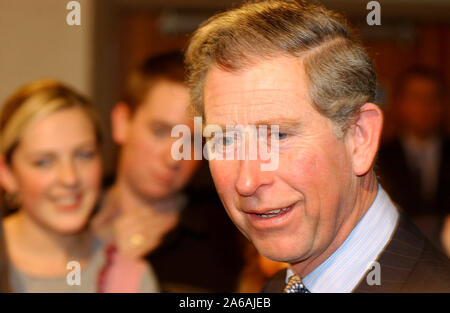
(36,42)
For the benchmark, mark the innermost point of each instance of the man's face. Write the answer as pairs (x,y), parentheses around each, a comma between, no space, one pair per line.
(149,168)
(421,107)
(311,184)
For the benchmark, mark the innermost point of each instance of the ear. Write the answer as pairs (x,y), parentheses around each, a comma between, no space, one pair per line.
(365,137)
(7,177)
(120,120)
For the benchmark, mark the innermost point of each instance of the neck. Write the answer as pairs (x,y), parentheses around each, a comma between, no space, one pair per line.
(364,193)
(40,241)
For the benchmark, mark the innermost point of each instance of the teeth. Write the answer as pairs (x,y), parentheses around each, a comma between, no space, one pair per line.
(268,215)
(67,201)
(272,213)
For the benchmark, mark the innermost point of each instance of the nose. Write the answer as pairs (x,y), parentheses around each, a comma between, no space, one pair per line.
(68,174)
(250,178)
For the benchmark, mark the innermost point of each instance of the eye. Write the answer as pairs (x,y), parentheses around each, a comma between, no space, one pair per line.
(159,132)
(277,135)
(86,155)
(43,163)
(227,140)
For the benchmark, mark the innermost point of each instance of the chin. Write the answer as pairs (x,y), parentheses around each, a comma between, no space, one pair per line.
(160,194)
(68,228)
(280,251)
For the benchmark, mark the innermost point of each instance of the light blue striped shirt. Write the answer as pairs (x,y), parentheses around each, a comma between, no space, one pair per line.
(343,270)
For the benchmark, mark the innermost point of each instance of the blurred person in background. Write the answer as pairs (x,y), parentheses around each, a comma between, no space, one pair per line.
(414,167)
(147,212)
(50,172)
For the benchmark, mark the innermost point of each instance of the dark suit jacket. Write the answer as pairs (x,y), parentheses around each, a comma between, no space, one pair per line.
(403,184)
(203,253)
(409,263)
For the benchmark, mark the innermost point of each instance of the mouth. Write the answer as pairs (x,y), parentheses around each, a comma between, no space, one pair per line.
(270,218)
(273,213)
(67,203)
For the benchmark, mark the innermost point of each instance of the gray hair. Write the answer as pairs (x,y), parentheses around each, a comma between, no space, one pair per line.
(341,77)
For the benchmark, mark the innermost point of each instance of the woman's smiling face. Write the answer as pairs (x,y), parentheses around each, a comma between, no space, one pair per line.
(56,170)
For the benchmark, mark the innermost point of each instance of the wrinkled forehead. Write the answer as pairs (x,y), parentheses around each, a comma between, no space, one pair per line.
(253,107)
(272,89)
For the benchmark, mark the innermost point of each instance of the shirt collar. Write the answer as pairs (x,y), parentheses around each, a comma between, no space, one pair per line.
(343,270)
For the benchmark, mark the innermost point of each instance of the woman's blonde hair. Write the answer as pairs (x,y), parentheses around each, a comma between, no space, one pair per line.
(32,103)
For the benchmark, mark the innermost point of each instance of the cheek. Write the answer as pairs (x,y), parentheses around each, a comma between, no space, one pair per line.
(415,111)
(92,175)
(305,167)
(188,167)
(33,186)
(304,170)
(318,175)
(325,162)
(140,150)
(144,148)
(224,174)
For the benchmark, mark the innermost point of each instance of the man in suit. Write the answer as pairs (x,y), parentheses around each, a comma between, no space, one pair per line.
(291,77)
(414,167)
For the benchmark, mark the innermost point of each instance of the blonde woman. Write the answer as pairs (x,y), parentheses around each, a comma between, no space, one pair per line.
(50,169)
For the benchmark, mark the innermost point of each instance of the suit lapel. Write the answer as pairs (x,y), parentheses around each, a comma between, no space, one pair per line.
(276,283)
(396,262)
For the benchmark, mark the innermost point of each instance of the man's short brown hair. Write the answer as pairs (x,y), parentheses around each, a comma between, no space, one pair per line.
(168,66)
(340,75)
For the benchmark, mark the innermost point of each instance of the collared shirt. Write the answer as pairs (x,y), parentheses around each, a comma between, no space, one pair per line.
(344,269)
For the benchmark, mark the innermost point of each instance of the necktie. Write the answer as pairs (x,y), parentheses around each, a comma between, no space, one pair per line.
(295,285)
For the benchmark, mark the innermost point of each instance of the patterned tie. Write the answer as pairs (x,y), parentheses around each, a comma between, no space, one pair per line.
(295,285)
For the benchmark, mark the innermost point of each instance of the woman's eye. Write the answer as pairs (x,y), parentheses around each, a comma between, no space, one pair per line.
(86,154)
(282,135)
(42,162)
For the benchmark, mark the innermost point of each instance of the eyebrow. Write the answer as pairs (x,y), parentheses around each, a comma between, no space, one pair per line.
(42,152)
(284,124)
(160,123)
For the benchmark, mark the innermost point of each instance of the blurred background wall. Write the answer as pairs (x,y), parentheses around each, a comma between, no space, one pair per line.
(116,35)
(36,42)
